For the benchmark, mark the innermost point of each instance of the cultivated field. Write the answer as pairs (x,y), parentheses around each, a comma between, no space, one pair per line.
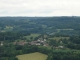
(32,56)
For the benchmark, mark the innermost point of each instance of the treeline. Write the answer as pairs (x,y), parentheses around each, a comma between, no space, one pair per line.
(61,55)
(74,42)
(11,36)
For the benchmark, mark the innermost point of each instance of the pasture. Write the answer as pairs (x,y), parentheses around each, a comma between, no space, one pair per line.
(58,38)
(32,35)
(32,56)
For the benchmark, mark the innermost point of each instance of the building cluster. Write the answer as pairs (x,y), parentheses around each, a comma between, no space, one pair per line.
(20,43)
(39,42)
(59,47)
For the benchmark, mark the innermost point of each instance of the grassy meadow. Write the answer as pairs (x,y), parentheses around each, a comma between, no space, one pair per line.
(58,38)
(32,56)
(32,35)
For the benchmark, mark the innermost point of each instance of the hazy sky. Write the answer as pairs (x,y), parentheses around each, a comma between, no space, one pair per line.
(39,7)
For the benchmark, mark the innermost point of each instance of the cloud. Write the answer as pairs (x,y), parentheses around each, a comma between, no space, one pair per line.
(39,7)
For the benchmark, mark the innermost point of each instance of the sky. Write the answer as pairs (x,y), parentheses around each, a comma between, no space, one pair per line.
(39,7)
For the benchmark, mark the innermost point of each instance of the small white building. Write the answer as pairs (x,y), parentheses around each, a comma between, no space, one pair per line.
(1,44)
(61,46)
(44,39)
(61,42)
(38,44)
(38,40)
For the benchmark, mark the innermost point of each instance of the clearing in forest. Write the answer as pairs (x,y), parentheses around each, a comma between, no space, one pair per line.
(32,35)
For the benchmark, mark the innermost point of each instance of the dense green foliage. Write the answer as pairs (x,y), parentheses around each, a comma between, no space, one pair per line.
(50,25)
(12,36)
(67,55)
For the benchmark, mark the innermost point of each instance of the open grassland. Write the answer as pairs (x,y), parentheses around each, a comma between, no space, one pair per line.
(32,35)
(58,38)
(32,56)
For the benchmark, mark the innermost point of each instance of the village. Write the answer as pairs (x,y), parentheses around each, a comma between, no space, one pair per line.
(38,42)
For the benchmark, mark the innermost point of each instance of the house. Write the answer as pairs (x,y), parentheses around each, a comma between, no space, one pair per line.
(19,43)
(44,39)
(61,46)
(38,44)
(39,40)
(61,42)
(35,43)
(22,43)
(45,44)
(1,44)
(58,47)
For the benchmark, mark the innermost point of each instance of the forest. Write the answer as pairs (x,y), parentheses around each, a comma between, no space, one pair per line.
(48,25)
(57,37)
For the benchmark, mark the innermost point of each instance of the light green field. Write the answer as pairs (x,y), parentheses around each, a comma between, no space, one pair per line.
(58,38)
(7,28)
(32,35)
(32,56)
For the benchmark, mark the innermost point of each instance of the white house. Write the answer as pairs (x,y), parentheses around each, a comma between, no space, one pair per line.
(61,46)
(44,39)
(1,44)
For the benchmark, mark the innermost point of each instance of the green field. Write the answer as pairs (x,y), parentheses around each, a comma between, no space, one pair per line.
(32,35)
(58,38)
(32,56)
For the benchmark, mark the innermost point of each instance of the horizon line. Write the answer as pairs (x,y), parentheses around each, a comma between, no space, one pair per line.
(39,16)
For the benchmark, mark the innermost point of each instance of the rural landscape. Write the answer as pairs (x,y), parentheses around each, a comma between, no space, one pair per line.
(40,38)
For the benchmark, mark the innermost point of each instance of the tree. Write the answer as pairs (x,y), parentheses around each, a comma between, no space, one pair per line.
(31,38)
(53,43)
